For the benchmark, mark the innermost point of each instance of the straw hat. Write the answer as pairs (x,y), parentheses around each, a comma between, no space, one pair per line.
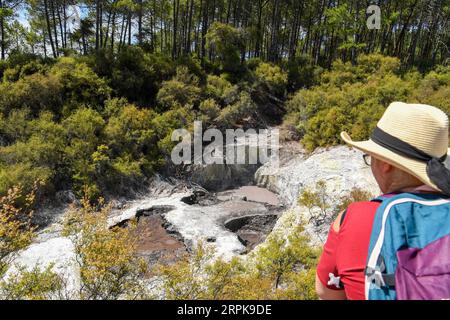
(405,136)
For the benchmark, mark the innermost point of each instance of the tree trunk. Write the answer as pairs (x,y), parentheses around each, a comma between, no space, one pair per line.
(113,30)
(176,6)
(108,23)
(398,48)
(129,28)
(65,23)
(412,50)
(122,30)
(188,41)
(100,24)
(52,8)
(97,18)
(295,31)
(2,30)
(49,29)
(45,46)
(204,27)
(140,13)
(61,29)
(259,29)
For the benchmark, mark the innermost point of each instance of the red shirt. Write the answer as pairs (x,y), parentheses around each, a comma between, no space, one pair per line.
(345,252)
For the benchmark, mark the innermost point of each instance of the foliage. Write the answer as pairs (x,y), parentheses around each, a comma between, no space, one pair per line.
(36,284)
(209,110)
(220,89)
(80,85)
(226,42)
(302,73)
(66,85)
(36,92)
(16,231)
(318,203)
(109,266)
(164,124)
(353,97)
(131,149)
(356,195)
(83,128)
(182,90)
(272,77)
(322,208)
(282,269)
(238,111)
(280,256)
(108,144)
(133,73)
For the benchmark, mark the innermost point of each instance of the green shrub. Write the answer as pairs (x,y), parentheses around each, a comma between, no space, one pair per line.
(38,157)
(182,90)
(353,98)
(83,129)
(137,75)
(226,43)
(34,284)
(221,89)
(110,268)
(302,73)
(164,124)
(36,92)
(283,268)
(209,110)
(272,77)
(81,86)
(231,115)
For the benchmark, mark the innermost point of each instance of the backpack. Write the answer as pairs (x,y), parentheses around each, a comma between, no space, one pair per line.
(409,251)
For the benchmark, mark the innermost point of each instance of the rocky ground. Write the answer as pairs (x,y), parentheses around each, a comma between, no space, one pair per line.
(175,214)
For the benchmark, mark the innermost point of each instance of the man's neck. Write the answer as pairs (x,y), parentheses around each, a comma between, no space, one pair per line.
(417,189)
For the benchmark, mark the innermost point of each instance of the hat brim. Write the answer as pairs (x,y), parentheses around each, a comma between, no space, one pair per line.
(413,167)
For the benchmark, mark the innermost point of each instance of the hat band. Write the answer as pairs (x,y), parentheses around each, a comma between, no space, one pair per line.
(400,147)
(436,170)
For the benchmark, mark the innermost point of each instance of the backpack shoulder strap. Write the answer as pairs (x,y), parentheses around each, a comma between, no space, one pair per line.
(388,236)
(342,218)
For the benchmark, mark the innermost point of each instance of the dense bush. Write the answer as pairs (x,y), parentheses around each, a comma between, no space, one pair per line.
(231,115)
(221,89)
(353,98)
(283,268)
(109,266)
(58,125)
(137,75)
(182,90)
(36,92)
(63,88)
(132,73)
(80,85)
(73,122)
(209,110)
(302,73)
(272,78)
(37,155)
(226,43)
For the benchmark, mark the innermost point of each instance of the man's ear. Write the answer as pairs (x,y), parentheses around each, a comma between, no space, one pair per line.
(386,167)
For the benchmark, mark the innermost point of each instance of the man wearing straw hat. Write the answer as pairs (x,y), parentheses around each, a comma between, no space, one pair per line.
(396,246)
